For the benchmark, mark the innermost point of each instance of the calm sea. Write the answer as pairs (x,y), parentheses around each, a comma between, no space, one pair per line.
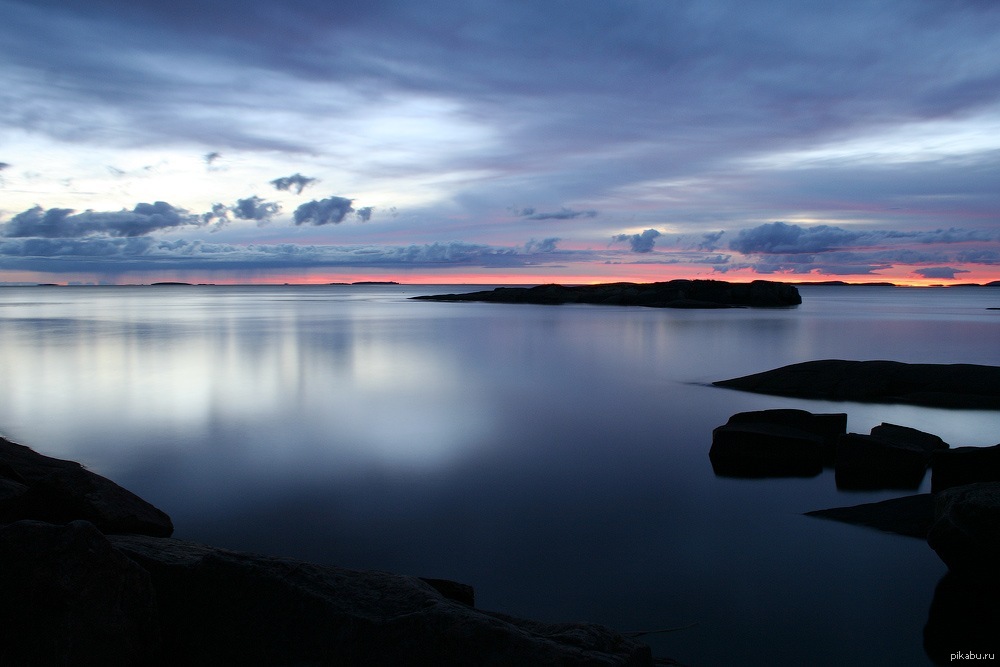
(556,458)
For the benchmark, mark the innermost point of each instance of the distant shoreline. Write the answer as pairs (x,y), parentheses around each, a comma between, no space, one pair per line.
(823,283)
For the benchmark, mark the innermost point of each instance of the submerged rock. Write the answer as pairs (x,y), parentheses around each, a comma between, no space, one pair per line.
(671,294)
(34,486)
(775,443)
(964,465)
(910,515)
(942,385)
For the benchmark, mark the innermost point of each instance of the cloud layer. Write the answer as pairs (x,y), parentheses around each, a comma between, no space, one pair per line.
(860,138)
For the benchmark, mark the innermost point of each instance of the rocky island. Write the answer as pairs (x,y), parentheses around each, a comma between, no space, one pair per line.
(670,294)
(91,576)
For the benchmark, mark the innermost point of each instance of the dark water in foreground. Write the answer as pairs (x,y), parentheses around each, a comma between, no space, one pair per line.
(556,458)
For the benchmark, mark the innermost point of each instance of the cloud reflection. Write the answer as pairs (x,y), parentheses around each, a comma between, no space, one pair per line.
(313,388)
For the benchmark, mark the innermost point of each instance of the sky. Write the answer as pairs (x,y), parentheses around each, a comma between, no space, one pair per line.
(572,141)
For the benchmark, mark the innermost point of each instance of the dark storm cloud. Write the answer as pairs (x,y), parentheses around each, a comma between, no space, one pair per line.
(210,158)
(939,272)
(365,213)
(331,210)
(643,242)
(4,165)
(296,181)
(255,208)
(65,223)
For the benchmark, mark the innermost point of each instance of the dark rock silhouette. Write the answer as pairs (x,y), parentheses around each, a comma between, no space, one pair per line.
(671,294)
(891,457)
(910,515)
(942,385)
(964,465)
(966,530)
(33,486)
(89,576)
(222,607)
(775,443)
(70,598)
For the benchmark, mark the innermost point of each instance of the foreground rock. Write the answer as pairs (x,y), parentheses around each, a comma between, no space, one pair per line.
(78,589)
(966,530)
(964,619)
(775,443)
(672,294)
(221,607)
(968,386)
(33,486)
(70,598)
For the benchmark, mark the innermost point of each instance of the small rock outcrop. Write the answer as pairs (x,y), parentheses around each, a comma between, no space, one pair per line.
(775,443)
(670,294)
(90,576)
(969,386)
(964,465)
(891,457)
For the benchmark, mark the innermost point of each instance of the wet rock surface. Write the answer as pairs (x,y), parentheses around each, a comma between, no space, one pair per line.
(670,294)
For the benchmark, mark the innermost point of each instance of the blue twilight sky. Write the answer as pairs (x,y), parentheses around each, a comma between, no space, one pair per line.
(501,141)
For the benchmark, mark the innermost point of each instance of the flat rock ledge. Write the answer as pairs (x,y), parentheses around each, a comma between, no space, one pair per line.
(671,294)
(965,386)
(91,576)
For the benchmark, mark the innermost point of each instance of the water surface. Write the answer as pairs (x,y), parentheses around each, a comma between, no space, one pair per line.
(556,458)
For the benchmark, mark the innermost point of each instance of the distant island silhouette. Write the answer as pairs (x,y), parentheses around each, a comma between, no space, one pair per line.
(671,294)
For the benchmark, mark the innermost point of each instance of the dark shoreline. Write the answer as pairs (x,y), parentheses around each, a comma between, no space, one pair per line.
(91,575)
